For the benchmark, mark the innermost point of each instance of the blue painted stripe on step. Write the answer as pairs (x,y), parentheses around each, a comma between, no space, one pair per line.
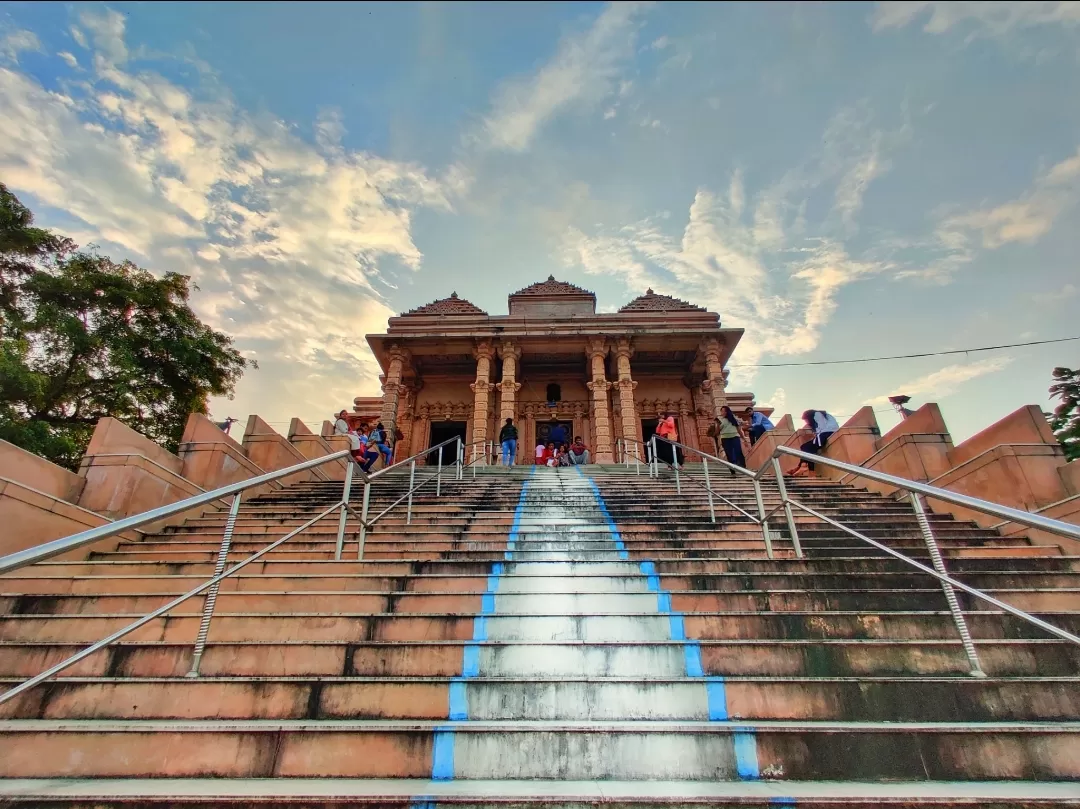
(487,603)
(783,802)
(470,666)
(459,704)
(692,653)
(676,627)
(442,756)
(746,762)
(421,802)
(479,627)
(663,601)
(714,686)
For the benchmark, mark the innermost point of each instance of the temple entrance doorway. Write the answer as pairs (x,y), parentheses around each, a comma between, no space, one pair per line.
(664,451)
(444,431)
(544,428)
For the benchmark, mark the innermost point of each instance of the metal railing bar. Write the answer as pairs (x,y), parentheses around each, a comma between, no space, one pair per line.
(383,513)
(741,470)
(944,578)
(974,503)
(127,630)
(398,466)
(47,550)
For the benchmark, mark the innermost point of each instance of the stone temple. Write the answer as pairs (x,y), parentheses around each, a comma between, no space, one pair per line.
(450,368)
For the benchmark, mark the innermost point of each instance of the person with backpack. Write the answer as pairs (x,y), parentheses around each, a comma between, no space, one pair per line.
(823,425)
(378,438)
(508,437)
(731,434)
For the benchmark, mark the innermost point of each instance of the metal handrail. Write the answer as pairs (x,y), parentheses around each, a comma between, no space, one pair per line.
(916,492)
(211,585)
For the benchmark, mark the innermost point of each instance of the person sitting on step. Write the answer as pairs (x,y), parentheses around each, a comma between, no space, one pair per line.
(578,452)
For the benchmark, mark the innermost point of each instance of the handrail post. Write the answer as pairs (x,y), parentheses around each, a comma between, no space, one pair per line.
(473,464)
(678,483)
(362,536)
(654,469)
(787,507)
(460,458)
(762,518)
(438,476)
(708,488)
(412,482)
(212,593)
(345,492)
(950,593)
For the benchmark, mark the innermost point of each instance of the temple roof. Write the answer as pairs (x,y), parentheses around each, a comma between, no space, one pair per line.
(651,302)
(552,287)
(447,306)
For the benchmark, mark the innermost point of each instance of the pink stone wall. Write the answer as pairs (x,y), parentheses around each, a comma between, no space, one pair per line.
(35,472)
(271,451)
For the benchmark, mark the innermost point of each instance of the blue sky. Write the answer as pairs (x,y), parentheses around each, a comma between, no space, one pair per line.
(842,180)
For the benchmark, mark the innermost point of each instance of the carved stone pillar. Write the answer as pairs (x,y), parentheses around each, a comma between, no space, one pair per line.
(596,350)
(714,383)
(631,422)
(482,389)
(509,386)
(392,388)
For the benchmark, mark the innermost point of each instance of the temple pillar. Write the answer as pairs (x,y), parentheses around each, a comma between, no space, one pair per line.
(392,388)
(482,389)
(421,430)
(596,350)
(509,386)
(714,383)
(628,408)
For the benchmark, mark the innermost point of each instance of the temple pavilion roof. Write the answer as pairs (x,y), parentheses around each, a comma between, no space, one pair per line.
(652,302)
(552,287)
(447,306)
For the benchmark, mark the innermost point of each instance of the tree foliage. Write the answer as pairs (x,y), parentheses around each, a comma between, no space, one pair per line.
(83,337)
(1066,419)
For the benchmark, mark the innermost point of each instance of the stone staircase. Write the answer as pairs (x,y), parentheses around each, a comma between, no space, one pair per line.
(559,637)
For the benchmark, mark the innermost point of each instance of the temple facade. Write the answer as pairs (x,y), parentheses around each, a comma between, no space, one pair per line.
(450,368)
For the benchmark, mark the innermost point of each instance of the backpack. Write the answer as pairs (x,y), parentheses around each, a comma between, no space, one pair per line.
(376,436)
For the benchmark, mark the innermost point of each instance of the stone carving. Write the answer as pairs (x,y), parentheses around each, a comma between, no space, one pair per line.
(651,302)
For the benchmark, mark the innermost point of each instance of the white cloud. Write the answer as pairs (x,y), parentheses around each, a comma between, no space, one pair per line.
(1025,219)
(659,43)
(777,401)
(753,259)
(287,239)
(69,58)
(1057,297)
(15,41)
(981,18)
(584,70)
(943,381)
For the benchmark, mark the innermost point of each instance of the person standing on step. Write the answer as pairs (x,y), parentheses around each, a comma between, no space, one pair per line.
(341,424)
(508,437)
(731,437)
(823,425)
(579,453)
(540,450)
(666,452)
(759,424)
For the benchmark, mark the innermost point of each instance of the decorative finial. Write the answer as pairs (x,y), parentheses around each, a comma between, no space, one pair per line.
(649,291)
(453,295)
(551,277)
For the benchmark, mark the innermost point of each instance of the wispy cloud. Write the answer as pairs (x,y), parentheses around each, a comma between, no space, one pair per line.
(584,71)
(945,380)
(289,240)
(980,18)
(15,41)
(755,260)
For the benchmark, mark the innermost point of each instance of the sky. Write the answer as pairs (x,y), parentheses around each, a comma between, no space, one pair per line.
(840,180)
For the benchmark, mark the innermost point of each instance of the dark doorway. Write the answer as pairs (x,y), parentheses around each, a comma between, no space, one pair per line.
(544,428)
(554,393)
(443,431)
(664,451)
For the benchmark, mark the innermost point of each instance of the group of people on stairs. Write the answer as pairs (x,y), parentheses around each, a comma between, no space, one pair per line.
(367,443)
(556,452)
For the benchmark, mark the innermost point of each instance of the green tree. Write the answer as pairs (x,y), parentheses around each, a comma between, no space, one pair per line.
(1066,419)
(83,337)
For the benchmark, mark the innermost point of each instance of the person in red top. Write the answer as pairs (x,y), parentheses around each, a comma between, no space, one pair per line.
(666,452)
(551,455)
(579,453)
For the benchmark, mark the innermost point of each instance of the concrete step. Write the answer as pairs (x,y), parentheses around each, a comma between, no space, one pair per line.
(403,793)
(632,597)
(430,658)
(588,627)
(475,750)
(918,699)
